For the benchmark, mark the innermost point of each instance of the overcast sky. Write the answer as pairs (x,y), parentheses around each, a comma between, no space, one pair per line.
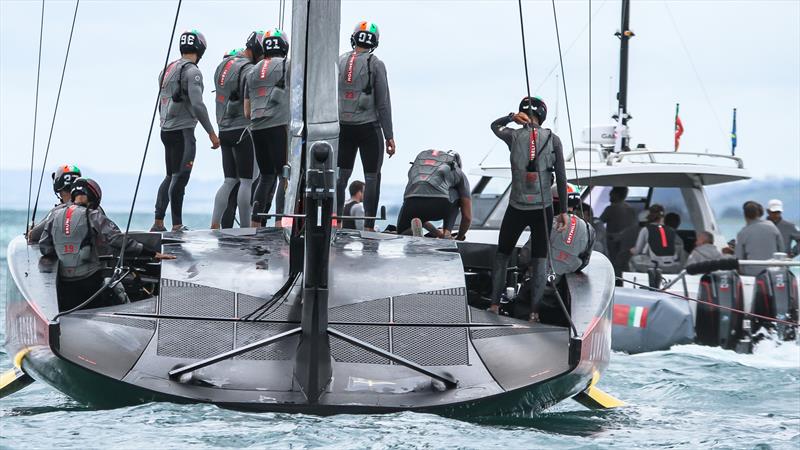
(454,66)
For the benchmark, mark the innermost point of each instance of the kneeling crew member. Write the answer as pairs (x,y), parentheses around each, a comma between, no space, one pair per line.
(266,104)
(365,118)
(181,107)
(436,190)
(536,153)
(62,185)
(78,235)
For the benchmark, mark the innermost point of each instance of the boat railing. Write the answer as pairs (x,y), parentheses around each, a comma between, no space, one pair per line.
(615,158)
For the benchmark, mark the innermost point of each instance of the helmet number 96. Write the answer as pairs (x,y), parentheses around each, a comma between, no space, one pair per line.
(364,37)
(187,39)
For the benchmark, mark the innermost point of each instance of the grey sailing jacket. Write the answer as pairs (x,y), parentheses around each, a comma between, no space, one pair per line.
(182,76)
(364,91)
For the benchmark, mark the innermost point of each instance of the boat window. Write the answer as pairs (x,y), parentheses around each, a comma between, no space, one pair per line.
(673,201)
(488,192)
(637,198)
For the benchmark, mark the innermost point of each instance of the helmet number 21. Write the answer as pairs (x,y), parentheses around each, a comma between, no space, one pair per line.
(364,37)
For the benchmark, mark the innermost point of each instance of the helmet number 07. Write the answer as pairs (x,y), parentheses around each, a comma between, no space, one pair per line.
(364,37)
(187,39)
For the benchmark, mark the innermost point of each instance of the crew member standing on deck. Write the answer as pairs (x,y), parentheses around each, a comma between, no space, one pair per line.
(237,146)
(181,107)
(365,117)
(536,154)
(266,104)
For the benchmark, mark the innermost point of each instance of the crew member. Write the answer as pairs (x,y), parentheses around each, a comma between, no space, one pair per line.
(656,244)
(62,185)
(181,107)
(759,239)
(704,249)
(437,189)
(535,154)
(235,142)
(266,104)
(78,235)
(618,216)
(365,117)
(354,206)
(788,230)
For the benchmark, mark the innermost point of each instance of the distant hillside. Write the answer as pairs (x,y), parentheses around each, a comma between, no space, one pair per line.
(727,199)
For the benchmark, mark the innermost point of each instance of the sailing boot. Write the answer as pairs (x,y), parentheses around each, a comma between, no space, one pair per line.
(499,274)
(538,285)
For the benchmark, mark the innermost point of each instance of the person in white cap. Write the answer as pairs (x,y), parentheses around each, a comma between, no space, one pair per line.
(788,230)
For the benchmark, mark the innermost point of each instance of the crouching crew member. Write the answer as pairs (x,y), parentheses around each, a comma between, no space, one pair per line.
(62,185)
(536,153)
(78,235)
(181,107)
(365,117)
(437,189)
(236,144)
(266,104)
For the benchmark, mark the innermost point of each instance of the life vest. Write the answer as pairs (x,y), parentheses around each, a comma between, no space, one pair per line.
(532,148)
(716,326)
(349,224)
(572,247)
(72,239)
(432,174)
(173,102)
(661,239)
(266,84)
(775,295)
(229,97)
(356,99)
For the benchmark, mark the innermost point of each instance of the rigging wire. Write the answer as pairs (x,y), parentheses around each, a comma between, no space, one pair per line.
(55,111)
(574,155)
(696,72)
(147,143)
(35,118)
(545,225)
(566,98)
(714,305)
(281,13)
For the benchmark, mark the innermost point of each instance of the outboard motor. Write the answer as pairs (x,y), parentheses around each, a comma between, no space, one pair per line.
(716,326)
(775,295)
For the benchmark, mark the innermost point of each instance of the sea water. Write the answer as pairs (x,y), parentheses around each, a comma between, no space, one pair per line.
(688,397)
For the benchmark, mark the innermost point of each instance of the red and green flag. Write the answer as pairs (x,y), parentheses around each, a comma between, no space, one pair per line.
(630,316)
(678,127)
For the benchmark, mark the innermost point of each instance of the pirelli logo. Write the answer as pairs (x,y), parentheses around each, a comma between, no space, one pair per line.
(573,225)
(350,64)
(225,70)
(264,70)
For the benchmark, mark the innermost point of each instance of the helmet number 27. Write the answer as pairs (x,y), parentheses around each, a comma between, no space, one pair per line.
(364,37)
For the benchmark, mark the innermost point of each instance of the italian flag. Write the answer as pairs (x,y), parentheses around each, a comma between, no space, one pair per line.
(630,316)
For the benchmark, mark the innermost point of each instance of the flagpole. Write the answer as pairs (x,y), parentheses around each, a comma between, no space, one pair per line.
(733,134)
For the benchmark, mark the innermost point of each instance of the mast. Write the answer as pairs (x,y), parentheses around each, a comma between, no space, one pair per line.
(314,142)
(624,36)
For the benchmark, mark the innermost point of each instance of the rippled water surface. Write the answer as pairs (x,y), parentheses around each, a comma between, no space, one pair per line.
(688,397)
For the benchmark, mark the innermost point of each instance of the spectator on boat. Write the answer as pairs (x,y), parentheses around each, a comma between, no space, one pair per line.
(617,216)
(656,245)
(437,189)
(236,145)
(673,220)
(573,197)
(536,156)
(78,235)
(354,206)
(62,185)
(181,107)
(585,212)
(627,239)
(365,117)
(704,249)
(788,230)
(759,239)
(266,104)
